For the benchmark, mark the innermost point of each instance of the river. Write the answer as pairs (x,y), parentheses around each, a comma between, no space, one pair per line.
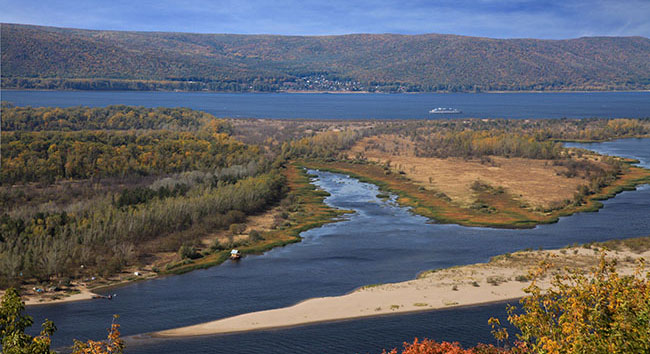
(359,106)
(381,242)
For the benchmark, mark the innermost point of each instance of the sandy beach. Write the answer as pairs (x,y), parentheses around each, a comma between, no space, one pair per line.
(78,290)
(83,294)
(501,279)
(32,298)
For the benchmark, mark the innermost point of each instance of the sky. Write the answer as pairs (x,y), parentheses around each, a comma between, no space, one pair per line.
(485,18)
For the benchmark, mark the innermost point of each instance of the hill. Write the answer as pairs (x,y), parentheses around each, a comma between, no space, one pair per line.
(57,58)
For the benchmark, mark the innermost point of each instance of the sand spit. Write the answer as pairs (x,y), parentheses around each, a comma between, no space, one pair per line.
(501,279)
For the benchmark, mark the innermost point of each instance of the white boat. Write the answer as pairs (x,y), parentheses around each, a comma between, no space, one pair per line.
(443,110)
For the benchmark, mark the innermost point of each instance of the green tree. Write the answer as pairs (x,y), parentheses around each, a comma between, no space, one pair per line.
(13,325)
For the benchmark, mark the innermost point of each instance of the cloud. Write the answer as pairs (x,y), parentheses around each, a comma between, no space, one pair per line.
(488,18)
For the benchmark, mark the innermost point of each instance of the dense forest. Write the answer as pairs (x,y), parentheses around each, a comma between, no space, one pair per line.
(56,58)
(98,197)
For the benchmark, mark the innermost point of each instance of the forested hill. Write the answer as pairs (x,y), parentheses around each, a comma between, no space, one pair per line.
(48,57)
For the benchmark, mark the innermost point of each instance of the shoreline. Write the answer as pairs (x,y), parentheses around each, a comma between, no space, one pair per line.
(82,295)
(164,335)
(502,279)
(82,292)
(330,92)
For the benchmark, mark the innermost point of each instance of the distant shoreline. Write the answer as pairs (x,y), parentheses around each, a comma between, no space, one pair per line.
(333,92)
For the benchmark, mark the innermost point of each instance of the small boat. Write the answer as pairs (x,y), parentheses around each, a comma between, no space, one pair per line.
(107,297)
(443,110)
(235,255)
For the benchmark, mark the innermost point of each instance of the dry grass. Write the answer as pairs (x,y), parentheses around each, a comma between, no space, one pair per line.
(534,182)
(494,207)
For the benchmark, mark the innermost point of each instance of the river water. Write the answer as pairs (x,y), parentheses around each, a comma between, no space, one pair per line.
(359,106)
(380,242)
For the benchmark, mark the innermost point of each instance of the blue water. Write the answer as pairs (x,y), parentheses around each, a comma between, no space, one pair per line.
(368,247)
(359,106)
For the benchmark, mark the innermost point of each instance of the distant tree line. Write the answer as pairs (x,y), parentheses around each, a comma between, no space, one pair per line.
(50,156)
(482,143)
(118,117)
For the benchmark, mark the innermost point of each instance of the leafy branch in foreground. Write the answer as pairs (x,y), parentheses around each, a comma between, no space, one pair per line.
(14,340)
(13,325)
(113,344)
(599,312)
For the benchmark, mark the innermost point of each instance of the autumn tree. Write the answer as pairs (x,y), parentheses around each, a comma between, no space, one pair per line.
(112,345)
(600,312)
(428,346)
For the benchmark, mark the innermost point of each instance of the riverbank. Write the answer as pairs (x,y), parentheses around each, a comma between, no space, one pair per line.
(79,294)
(308,212)
(501,279)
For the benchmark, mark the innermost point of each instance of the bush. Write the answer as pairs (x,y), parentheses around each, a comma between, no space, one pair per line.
(237,229)
(188,252)
(255,235)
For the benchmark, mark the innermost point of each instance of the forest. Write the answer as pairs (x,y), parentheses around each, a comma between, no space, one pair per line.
(81,194)
(35,57)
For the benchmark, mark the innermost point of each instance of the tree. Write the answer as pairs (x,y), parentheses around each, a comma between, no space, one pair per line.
(13,325)
(15,341)
(428,346)
(601,312)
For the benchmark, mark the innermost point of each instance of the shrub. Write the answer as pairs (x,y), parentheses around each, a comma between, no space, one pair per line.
(188,252)
(255,235)
(237,229)
(522,278)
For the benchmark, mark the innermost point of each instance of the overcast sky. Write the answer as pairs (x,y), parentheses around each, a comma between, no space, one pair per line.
(487,18)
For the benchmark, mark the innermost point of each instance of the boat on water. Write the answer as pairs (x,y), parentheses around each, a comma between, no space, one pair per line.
(443,110)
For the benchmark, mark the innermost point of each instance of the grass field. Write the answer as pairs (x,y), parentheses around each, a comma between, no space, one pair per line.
(535,182)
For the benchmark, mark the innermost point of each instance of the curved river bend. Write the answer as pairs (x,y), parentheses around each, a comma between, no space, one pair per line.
(380,242)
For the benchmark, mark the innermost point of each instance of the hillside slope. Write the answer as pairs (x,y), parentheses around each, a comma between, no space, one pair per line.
(49,57)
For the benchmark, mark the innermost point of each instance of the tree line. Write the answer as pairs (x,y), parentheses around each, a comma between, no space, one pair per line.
(51,156)
(117,117)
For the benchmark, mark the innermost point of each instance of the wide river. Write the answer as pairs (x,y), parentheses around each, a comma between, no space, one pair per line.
(359,106)
(381,242)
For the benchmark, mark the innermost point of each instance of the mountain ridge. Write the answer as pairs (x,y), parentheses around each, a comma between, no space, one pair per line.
(64,58)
